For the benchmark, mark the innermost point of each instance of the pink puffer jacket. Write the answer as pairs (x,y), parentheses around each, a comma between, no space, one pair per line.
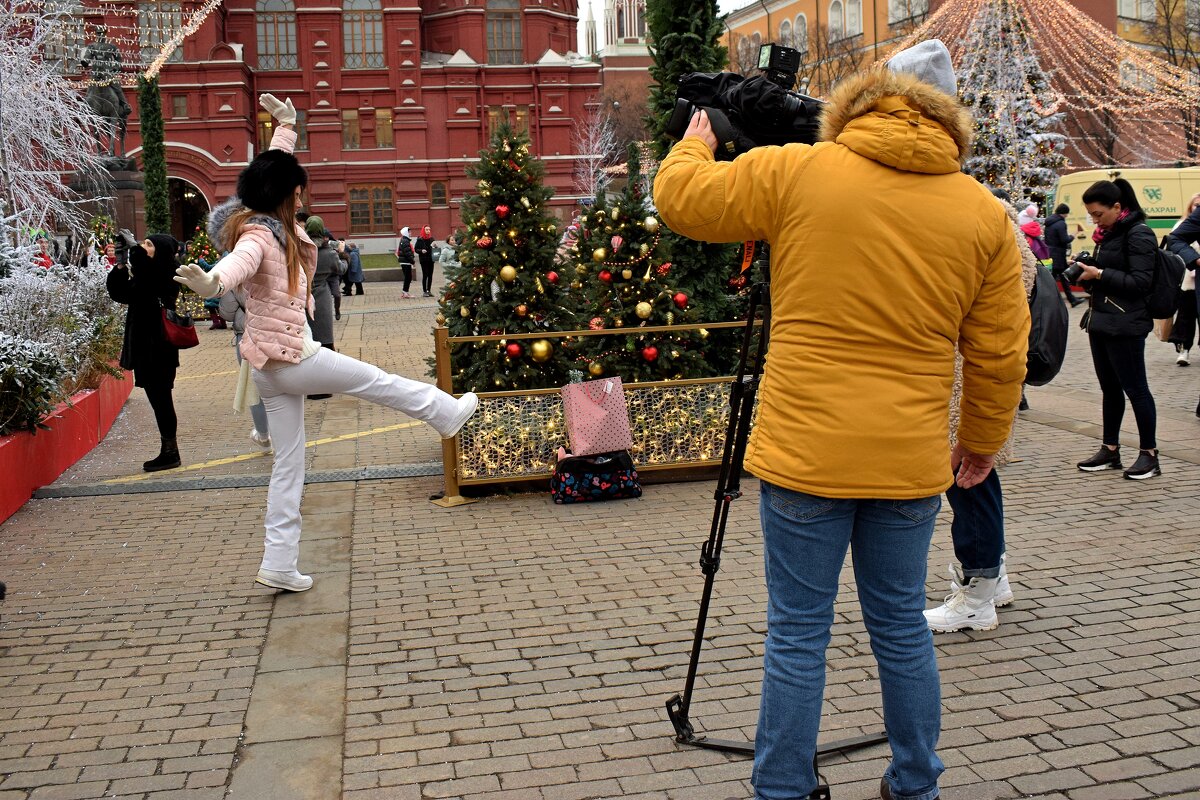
(258,263)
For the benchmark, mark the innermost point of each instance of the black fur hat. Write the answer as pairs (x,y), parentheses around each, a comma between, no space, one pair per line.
(269,179)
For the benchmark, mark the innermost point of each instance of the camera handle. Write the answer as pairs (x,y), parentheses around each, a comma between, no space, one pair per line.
(742,394)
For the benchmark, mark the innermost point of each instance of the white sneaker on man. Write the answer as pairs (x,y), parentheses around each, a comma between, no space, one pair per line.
(288,581)
(969,607)
(1004,592)
(260,439)
(1182,361)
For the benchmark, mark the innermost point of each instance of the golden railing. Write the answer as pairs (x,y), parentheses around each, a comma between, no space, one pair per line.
(676,425)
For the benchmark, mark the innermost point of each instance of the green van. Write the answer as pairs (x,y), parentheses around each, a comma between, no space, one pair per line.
(1163,194)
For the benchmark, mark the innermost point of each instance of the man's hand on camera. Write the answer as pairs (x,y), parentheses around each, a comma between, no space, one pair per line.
(699,127)
(969,468)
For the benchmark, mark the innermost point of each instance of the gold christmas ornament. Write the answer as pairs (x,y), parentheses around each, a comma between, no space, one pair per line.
(626,274)
(643,249)
(670,318)
(599,254)
(644,310)
(576,285)
(541,350)
(581,269)
(650,224)
(618,322)
(522,310)
(703,333)
(508,273)
(595,369)
(464,312)
(616,213)
(525,202)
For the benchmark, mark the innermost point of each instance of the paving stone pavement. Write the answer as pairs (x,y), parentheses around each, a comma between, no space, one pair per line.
(515,650)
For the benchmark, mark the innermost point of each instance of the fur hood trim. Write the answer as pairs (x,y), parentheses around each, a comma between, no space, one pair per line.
(858,95)
(221,214)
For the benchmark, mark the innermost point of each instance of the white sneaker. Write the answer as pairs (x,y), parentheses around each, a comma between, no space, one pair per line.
(288,581)
(1004,592)
(467,404)
(970,607)
(1182,361)
(260,439)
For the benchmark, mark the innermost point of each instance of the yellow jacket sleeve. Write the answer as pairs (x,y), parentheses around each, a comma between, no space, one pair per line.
(725,201)
(993,341)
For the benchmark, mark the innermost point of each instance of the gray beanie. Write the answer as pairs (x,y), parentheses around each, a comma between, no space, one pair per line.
(928,62)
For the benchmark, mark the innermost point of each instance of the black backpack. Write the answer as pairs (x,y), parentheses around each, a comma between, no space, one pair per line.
(1165,291)
(1047,330)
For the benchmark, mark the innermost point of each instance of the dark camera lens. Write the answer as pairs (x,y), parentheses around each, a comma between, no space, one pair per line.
(680,117)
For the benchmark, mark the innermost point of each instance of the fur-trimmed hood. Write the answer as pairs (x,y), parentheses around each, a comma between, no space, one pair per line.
(221,214)
(899,121)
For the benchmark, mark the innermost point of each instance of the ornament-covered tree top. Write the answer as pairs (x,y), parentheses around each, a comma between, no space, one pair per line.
(202,247)
(505,283)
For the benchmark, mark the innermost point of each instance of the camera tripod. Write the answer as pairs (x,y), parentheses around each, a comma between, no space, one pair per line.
(742,393)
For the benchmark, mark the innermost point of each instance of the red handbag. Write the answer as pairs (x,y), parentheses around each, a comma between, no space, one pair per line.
(178,328)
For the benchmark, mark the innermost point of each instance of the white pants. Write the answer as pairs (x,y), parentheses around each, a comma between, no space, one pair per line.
(283,390)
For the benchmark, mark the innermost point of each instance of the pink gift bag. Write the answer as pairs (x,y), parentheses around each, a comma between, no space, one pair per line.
(596,417)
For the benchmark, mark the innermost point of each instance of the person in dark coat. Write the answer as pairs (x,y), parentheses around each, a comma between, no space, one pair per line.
(424,248)
(1117,321)
(147,286)
(1058,240)
(404,254)
(1181,241)
(354,271)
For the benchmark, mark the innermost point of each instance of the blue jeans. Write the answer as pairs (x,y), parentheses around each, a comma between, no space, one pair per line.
(805,541)
(978,527)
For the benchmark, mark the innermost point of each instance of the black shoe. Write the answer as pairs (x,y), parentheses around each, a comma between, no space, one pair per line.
(319,396)
(1146,466)
(168,458)
(337,315)
(1024,405)
(1104,459)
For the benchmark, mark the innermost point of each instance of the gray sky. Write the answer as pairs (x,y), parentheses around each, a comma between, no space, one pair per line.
(598,10)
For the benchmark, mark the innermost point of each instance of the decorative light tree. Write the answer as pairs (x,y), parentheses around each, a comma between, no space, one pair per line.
(623,280)
(506,282)
(1122,105)
(1016,147)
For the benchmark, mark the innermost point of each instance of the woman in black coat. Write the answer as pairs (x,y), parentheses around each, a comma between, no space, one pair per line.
(424,248)
(1118,322)
(147,285)
(1058,240)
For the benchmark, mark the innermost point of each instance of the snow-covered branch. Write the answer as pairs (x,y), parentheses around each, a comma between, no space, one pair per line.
(594,138)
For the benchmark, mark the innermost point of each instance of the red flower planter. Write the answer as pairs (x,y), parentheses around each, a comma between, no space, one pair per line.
(29,462)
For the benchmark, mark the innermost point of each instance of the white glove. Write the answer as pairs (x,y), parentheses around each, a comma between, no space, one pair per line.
(205,284)
(284,112)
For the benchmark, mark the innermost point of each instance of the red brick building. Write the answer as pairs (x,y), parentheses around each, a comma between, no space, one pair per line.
(394,101)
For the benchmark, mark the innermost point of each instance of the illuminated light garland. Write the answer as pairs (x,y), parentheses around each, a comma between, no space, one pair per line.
(1109,85)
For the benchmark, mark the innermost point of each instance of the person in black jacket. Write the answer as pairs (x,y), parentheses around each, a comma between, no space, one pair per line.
(424,248)
(404,254)
(1058,240)
(147,286)
(1117,322)
(1179,241)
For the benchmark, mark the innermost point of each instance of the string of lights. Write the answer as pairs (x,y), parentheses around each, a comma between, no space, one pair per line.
(1110,90)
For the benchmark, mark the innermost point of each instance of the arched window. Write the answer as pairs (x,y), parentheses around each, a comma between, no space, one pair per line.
(504,31)
(362,34)
(785,33)
(800,33)
(276,21)
(853,17)
(837,20)
(158,20)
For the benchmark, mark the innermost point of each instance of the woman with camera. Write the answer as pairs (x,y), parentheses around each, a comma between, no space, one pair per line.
(1118,278)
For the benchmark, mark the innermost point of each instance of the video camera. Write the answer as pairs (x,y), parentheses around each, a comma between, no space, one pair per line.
(749,112)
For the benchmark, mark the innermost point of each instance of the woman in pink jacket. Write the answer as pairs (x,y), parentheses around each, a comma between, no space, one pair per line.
(273,260)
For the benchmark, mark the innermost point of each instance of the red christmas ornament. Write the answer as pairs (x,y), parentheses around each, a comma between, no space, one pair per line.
(663,268)
(513,350)
(515,166)
(650,353)
(680,299)
(605,276)
(501,211)
(495,332)
(596,323)
(552,276)
(484,242)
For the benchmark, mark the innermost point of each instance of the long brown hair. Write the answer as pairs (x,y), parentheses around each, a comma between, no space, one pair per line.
(286,214)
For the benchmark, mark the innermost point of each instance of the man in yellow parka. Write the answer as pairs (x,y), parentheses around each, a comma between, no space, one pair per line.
(884,256)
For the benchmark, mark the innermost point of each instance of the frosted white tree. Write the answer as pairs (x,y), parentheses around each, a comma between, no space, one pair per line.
(47,130)
(594,138)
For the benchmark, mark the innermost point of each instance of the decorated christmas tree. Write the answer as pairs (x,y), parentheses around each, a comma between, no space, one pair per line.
(1017,147)
(506,282)
(202,247)
(624,281)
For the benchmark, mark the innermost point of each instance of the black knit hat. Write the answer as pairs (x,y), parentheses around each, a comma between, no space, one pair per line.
(269,179)
(165,248)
